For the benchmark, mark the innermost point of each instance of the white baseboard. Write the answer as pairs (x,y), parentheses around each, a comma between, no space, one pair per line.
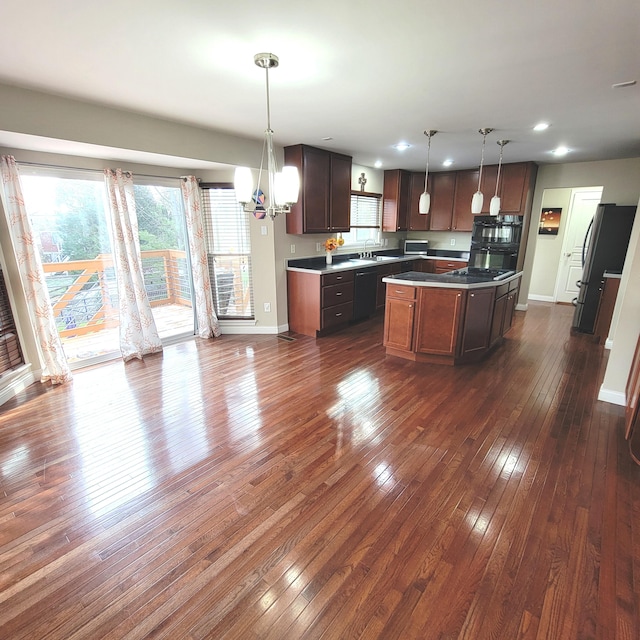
(241,327)
(537,298)
(16,382)
(612,397)
(521,307)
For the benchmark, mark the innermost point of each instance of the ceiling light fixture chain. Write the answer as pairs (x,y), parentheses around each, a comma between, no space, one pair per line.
(425,199)
(283,187)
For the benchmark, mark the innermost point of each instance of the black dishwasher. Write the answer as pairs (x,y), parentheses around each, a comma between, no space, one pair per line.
(364,293)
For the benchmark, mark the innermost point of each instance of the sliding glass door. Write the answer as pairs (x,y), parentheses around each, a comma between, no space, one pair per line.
(70,219)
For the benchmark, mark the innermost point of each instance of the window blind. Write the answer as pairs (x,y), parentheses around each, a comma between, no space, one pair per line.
(10,352)
(229,252)
(365,211)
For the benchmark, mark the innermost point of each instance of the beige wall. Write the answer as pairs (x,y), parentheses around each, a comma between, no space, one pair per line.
(548,248)
(621,181)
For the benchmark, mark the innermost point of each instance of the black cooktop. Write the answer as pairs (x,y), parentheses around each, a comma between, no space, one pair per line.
(489,274)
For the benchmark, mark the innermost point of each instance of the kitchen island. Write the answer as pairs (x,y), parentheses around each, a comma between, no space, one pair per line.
(450,318)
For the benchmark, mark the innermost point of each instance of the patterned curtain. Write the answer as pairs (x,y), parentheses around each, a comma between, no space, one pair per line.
(138,332)
(55,367)
(208,325)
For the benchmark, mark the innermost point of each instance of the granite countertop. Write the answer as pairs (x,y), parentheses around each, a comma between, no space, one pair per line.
(446,280)
(351,261)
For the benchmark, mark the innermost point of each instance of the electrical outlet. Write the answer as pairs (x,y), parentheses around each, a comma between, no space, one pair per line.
(263,230)
(453,242)
(293,248)
(267,307)
(318,246)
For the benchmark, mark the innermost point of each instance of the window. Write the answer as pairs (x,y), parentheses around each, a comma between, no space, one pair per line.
(229,252)
(365,220)
(10,353)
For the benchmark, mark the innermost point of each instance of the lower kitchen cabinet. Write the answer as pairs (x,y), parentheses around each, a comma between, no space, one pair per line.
(447,325)
(477,322)
(319,303)
(438,322)
(399,316)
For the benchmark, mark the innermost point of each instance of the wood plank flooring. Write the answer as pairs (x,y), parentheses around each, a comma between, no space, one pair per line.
(251,487)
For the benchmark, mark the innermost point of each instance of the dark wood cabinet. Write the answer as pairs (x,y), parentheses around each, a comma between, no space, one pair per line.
(318,304)
(451,194)
(325,190)
(476,332)
(450,325)
(442,187)
(395,200)
(444,266)
(399,317)
(438,321)
(417,221)
(632,416)
(466,186)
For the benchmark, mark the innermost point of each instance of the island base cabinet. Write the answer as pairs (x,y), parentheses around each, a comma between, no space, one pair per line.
(438,323)
(477,323)
(398,324)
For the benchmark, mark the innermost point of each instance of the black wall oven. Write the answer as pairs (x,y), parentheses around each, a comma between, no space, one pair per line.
(495,242)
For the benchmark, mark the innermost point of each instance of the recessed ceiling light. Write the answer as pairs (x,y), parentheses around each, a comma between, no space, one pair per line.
(378,164)
(401,146)
(541,126)
(560,151)
(447,163)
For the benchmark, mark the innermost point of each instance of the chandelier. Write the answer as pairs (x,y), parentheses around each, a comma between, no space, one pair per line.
(282,187)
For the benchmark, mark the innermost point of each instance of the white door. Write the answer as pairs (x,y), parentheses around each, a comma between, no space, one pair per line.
(584,203)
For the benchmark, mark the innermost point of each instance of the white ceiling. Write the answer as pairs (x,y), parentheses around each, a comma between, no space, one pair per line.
(367,74)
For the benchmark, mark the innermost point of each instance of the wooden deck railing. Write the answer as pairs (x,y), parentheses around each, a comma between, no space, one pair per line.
(84,293)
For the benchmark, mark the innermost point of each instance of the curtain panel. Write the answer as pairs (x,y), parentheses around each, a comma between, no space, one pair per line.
(54,363)
(208,325)
(138,333)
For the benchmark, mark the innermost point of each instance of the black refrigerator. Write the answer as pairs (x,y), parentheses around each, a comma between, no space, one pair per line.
(604,249)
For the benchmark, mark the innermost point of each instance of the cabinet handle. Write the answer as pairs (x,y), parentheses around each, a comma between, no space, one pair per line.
(338,293)
(410,306)
(473,295)
(398,291)
(338,277)
(338,315)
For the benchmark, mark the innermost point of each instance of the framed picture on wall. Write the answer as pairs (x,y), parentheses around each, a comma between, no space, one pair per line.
(550,221)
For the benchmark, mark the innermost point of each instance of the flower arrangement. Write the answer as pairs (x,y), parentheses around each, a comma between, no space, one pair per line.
(331,244)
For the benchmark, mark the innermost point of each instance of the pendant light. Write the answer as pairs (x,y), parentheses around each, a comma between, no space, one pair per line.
(478,198)
(425,199)
(494,207)
(282,187)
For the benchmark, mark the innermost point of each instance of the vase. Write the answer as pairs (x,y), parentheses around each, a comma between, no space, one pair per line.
(329,257)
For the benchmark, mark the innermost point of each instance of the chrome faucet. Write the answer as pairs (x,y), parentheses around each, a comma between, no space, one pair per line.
(365,253)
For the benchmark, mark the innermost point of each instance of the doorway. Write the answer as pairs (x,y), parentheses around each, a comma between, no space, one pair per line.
(582,208)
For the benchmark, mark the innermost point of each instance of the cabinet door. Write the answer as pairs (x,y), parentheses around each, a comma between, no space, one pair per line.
(477,321)
(417,221)
(438,321)
(513,186)
(398,323)
(340,193)
(396,196)
(466,186)
(508,312)
(488,185)
(442,189)
(316,172)
(497,322)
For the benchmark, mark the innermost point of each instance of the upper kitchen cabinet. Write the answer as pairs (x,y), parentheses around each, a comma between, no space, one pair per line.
(517,181)
(417,221)
(442,187)
(395,200)
(466,186)
(325,190)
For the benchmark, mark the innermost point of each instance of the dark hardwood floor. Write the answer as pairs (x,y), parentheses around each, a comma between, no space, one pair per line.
(256,488)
